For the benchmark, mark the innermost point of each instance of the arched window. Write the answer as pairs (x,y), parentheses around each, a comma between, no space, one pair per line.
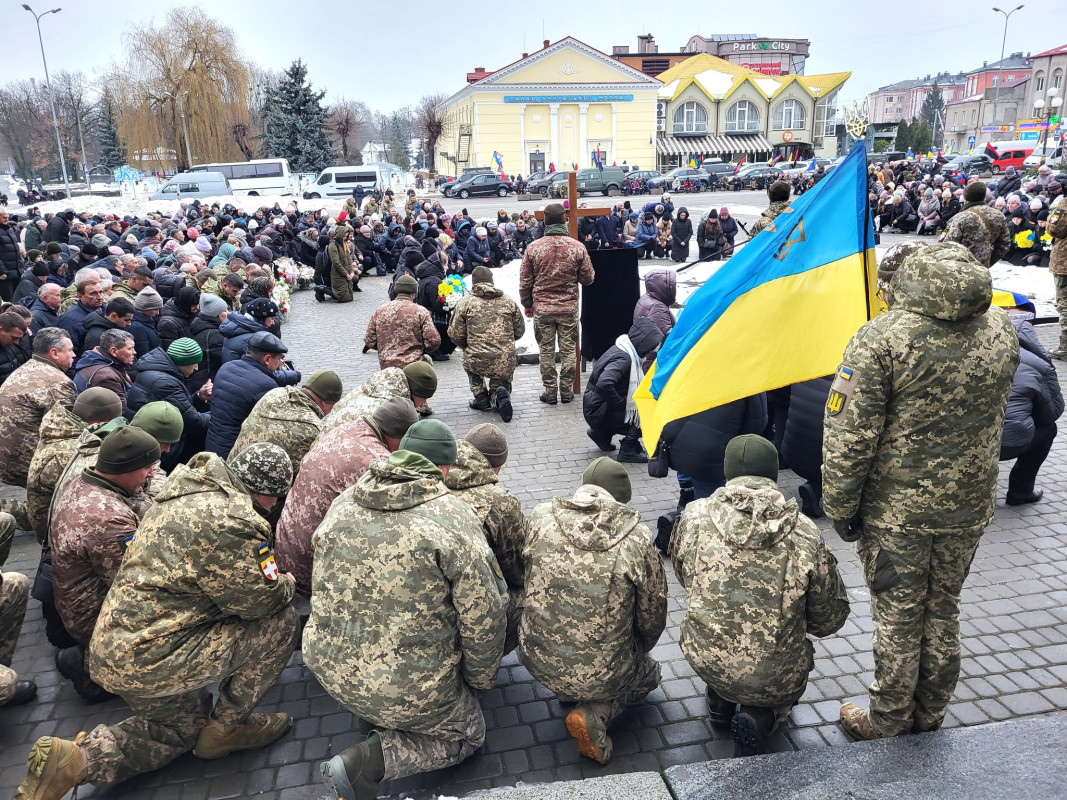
(1039,81)
(690,118)
(742,117)
(788,116)
(1057,79)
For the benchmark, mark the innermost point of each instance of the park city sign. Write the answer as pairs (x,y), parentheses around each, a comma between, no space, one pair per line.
(744,47)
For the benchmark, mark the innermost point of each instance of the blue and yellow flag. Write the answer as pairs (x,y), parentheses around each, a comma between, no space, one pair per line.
(779,312)
(692,161)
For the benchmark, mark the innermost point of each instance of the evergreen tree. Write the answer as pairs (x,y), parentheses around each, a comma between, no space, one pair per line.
(903,138)
(294,123)
(932,112)
(112,150)
(921,137)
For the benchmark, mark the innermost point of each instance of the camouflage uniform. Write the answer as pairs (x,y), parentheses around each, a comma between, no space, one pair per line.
(758,579)
(91,531)
(364,400)
(190,605)
(596,602)
(60,430)
(25,398)
(286,416)
(911,444)
(982,230)
(402,332)
(334,463)
(1057,265)
(768,216)
(552,268)
(473,481)
(486,325)
(408,666)
(14,593)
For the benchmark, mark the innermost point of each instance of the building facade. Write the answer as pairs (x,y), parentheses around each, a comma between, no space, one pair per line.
(553,108)
(709,107)
(769,56)
(969,121)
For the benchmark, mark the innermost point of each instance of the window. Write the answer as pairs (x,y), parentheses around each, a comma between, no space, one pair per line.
(1039,81)
(1011,77)
(357,177)
(974,114)
(269,170)
(189,187)
(742,117)
(1057,78)
(690,118)
(654,66)
(326,178)
(788,116)
(889,99)
(825,116)
(955,117)
(243,171)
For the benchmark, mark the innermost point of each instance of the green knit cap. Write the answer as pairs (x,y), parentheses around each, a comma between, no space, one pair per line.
(750,454)
(161,420)
(185,352)
(433,439)
(610,475)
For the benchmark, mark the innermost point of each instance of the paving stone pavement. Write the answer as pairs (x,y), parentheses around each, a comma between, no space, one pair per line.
(1014,625)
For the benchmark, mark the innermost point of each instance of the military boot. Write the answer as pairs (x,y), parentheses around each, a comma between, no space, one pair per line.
(55,766)
(720,712)
(857,723)
(587,727)
(480,402)
(810,504)
(217,740)
(503,404)
(356,773)
(751,726)
(631,451)
(686,494)
(70,661)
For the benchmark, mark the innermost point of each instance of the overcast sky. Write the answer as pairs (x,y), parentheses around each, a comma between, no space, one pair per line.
(389,55)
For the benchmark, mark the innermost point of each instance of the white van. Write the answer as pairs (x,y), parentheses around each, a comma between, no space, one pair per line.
(193,184)
(340,181)
(266,176)
(1053,153)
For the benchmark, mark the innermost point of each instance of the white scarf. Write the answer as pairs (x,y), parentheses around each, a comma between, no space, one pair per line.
(637,374)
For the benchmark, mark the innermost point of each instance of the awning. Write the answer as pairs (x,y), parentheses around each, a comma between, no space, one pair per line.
(686,145)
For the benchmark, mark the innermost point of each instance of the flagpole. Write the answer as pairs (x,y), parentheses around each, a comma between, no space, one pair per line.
(867,226)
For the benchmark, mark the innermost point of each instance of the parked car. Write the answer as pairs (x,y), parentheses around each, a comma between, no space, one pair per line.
(1012,155)
(979,165)
(720,169)
(480,186)
(802,166)
(541,186)
(1052,152)
(886,157)
(699,178)
(446,184)
(754,176)
(600,180)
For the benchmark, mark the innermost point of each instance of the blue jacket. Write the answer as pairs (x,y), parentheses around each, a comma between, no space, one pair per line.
(159,379)
(43,316)
(145,338)
(476,250)
(236,330)
(646,232)
(72,321)
(238,387)
(609,227)
(1035,398)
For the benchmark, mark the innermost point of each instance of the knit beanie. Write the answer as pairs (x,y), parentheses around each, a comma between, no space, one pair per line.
(126,450)
(101,241)
(161,420)
(481,275)
(185,352)
(40,269)
(395,416)
(148,299)
(779,191)
(212,305)
(422,380)
(431,439)
(750,454)
(97,404)
(264,468)
(326,385)
(554,214)
(53,249)
(491,442)
(405,284)
(975,192)
(610,475)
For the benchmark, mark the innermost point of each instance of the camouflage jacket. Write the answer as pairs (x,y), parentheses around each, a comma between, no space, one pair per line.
(486,325)
(123,288)
(25,398)
(1057,229)
(768,216)
(411,609)
(982,230)
(473,481)
(334,463)
(913,422)
(401,331)
(364,400)
(596,595)
(195,562)
(90,533)
(758,579)
(60,430)
(285,416)
(552,268)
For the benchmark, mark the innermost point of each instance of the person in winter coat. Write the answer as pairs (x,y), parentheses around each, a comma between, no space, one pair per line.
(14,341)
(1011,182)
(1034,405)
(116,315)
(429,274)
(33,278)
(929,214)
(11,263)
(477,252)
(498,250)
(204,330)
(663,235)
(464,232)
(367,253)
(106,365)
(44,310)
(902,215)
(177,315)
(629,230)
(58,228)
(681,233)
(661,287)
(645,237)
(608,405)
(344,272)
(710,239)
(609,229)
(147,306)
(522,237)
(237,329)
(729,231)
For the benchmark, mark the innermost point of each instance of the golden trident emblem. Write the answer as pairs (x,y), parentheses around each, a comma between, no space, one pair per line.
(857,118)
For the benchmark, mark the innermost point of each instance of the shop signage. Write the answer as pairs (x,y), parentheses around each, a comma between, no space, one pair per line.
(745,47)
(568,98)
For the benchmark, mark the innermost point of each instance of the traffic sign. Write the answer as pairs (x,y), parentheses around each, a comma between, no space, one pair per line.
(971,140)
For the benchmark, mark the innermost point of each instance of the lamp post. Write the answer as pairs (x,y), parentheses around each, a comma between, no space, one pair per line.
(1055,102)
(185,130)
(48,82)
(1000,64)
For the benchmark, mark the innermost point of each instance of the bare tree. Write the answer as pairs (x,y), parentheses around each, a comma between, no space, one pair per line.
(26,127)
(430,123)
(348,119)
(76,109)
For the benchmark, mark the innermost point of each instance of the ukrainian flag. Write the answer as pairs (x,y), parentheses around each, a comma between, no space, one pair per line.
(779,312)
(692,161)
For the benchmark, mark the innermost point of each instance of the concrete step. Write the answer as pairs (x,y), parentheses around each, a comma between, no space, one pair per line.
(643,785)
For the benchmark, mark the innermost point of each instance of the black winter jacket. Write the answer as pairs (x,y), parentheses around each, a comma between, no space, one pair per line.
(14,356)
(43,316)
(95,324)
(205,332)
(145,337)
(28,286)
(604,401)
(159,379)
(58,228)
(698,443)
(11,264)
(1035,397)
(173,323)
(239,385)
(802,438)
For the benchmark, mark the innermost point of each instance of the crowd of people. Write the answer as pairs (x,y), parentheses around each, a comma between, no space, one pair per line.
(186,483)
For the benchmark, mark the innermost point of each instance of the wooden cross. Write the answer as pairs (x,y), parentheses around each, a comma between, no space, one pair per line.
(572,213)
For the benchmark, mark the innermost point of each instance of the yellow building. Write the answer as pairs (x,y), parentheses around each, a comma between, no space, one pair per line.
(554,107)
(712,107)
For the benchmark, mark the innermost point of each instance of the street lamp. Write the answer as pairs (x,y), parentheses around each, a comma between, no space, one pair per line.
(185,130)
(1054,103)
(1000,64)
(48,82)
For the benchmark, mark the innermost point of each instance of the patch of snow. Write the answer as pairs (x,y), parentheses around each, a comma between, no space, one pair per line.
(668,90)
(715,82)
(1036,283)
(767,86)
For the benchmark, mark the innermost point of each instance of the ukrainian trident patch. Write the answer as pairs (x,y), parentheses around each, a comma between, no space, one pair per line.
(841,391)
(267,562)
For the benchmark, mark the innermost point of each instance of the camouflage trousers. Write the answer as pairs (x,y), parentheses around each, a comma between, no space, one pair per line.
(514,615)
(477,384)
(915,578)
(446,738)
(16,507)
(247,657)
(645,679)
(14,592)
(551,329)
(781,703)
(1061,309)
